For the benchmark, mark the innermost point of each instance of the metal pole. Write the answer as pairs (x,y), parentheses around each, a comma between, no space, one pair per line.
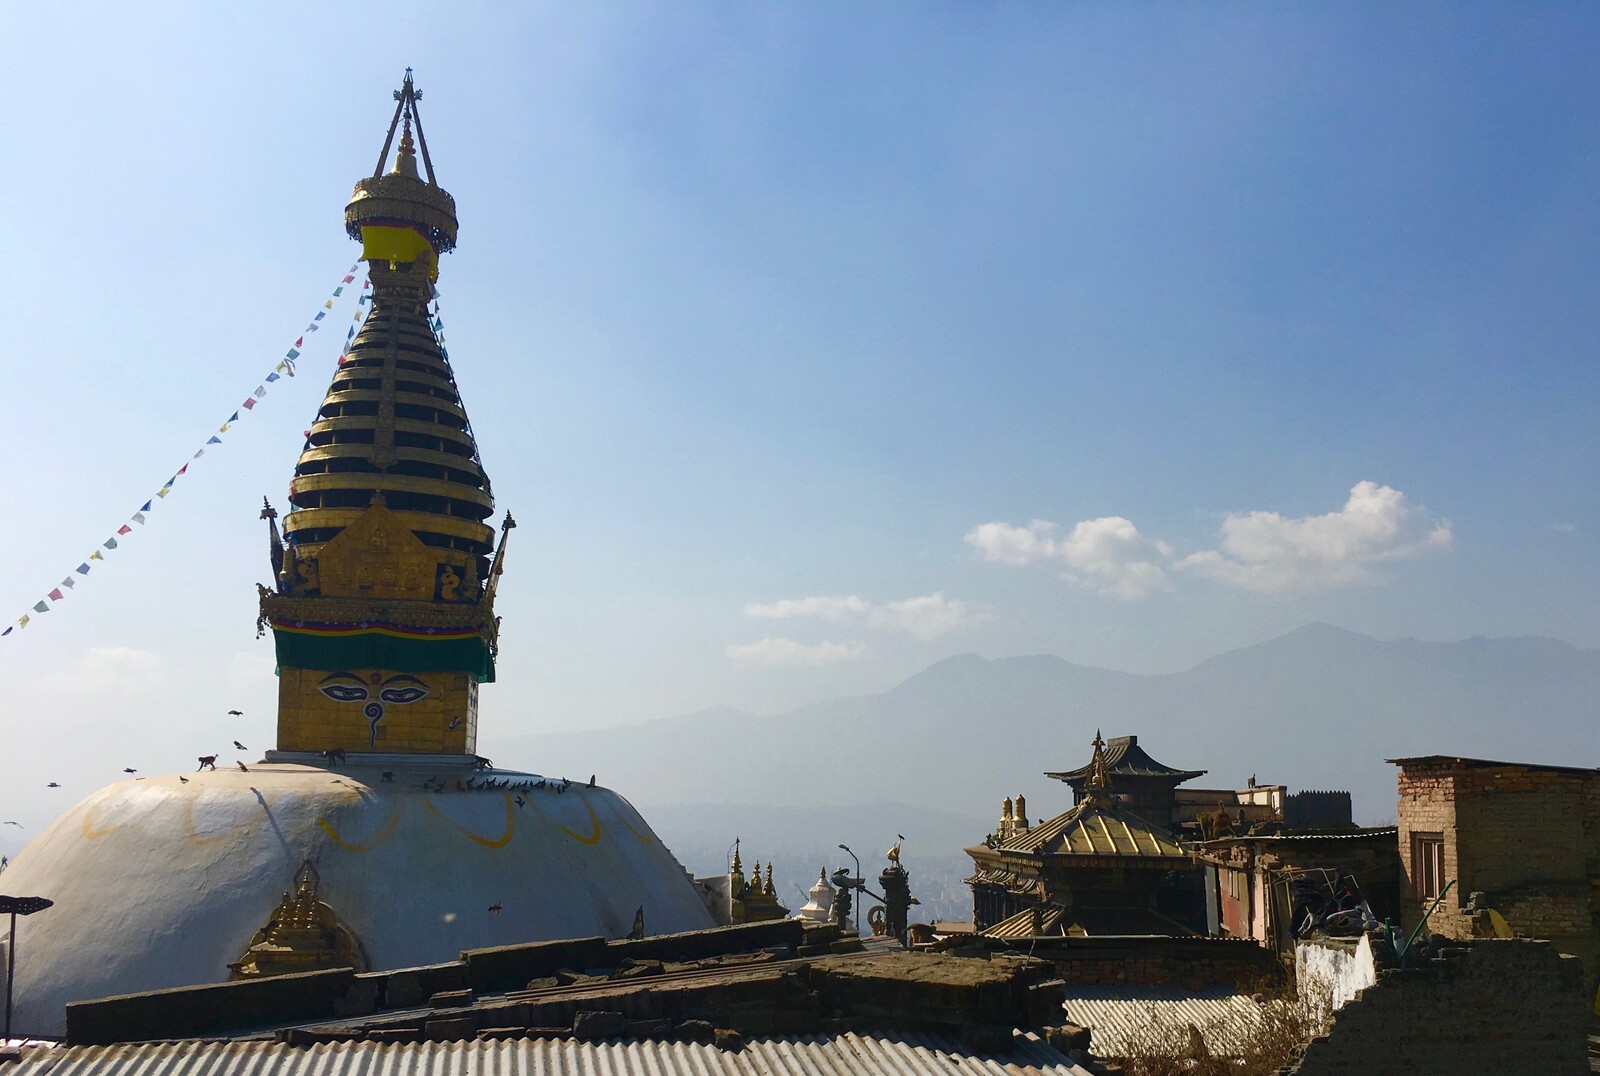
(11,970)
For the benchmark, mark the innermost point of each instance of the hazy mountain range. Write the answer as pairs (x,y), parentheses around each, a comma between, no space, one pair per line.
(1319,708)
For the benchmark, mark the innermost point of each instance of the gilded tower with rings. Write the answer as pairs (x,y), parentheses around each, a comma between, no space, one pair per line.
(382,611)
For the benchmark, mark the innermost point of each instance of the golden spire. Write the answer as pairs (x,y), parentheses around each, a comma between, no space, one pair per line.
(1097,788)
(383,615)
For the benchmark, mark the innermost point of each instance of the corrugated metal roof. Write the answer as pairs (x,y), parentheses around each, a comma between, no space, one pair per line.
(1380,832)
(1113,1013)
(1088,830)
(841,1055)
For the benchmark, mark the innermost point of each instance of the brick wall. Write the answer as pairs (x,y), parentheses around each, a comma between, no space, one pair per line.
(1526,837)
(1492,1006)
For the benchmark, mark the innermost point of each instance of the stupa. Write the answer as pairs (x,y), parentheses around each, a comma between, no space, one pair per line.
(374,835)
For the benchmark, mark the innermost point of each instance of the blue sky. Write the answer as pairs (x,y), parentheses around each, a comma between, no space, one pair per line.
(761,304)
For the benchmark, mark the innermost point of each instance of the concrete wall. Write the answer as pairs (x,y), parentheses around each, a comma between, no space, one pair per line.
(1338,968)
(1492,1007)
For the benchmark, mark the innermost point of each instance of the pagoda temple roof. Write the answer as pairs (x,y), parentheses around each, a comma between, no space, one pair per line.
(1093,828)
(1125,758)
(1056,920)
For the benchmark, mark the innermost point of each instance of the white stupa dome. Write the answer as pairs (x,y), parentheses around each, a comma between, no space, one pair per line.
(164,882)
(820,905)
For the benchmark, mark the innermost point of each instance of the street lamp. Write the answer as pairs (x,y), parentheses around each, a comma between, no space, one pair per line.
(859,881)
(17,906)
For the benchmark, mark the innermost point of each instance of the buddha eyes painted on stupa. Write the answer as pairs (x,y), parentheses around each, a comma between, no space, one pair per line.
(398,690)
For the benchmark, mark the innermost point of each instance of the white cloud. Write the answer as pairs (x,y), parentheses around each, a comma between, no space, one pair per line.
(1268,554)
(778,651)
(926,617)
(828,608)
(1262,552)
(1016,546)
(1107,554)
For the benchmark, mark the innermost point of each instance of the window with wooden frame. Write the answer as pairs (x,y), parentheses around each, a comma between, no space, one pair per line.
(1427,864)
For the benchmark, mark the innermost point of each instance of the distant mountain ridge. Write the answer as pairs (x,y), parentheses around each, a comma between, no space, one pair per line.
(1319,708)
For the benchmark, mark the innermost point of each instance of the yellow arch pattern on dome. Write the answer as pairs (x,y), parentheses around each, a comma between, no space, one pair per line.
(382,836)
(594,820)
(92,834)
(496,842)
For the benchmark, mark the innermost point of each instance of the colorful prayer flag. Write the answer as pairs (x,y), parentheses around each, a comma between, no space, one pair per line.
(110,543)
(83,569)
(69,582)
(181,470)
(8,631)
(138,517)
(41,607)
(215,440)
(261,390)
(22,621)
(146,506)
(163,491)
(271,378)
(234,417)
(173,479)
(348,279)
(198,454)
(96,555)
(124,529)
(339,290)
(55,595)
(328,305)
(249,404)
(293,354)
(320,315)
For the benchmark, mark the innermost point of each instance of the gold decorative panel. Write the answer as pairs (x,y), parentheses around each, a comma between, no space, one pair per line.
(377,710)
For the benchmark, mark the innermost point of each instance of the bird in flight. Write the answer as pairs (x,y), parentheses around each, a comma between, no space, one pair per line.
(494,909)
(129,769)
(243,767)
(235,713)
(17,824)
(521,802)
(52,784)
(240,746)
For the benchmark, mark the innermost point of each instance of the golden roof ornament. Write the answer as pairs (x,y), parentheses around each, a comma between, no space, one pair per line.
(1097,789)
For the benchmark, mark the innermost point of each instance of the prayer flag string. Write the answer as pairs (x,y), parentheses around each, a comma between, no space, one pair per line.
(285,367)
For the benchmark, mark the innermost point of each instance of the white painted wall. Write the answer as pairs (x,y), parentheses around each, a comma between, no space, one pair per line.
(1342,970)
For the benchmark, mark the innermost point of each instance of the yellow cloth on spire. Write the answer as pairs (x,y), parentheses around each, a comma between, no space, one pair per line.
(381,242)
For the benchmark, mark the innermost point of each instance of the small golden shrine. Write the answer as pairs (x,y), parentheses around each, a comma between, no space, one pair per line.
(303,934)
(753,901)
(382,608)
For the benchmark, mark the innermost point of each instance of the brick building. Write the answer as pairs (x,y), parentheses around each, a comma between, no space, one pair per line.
(1251,878)
(1522,840)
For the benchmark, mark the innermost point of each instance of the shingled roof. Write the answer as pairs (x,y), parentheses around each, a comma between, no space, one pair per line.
(1125,758)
